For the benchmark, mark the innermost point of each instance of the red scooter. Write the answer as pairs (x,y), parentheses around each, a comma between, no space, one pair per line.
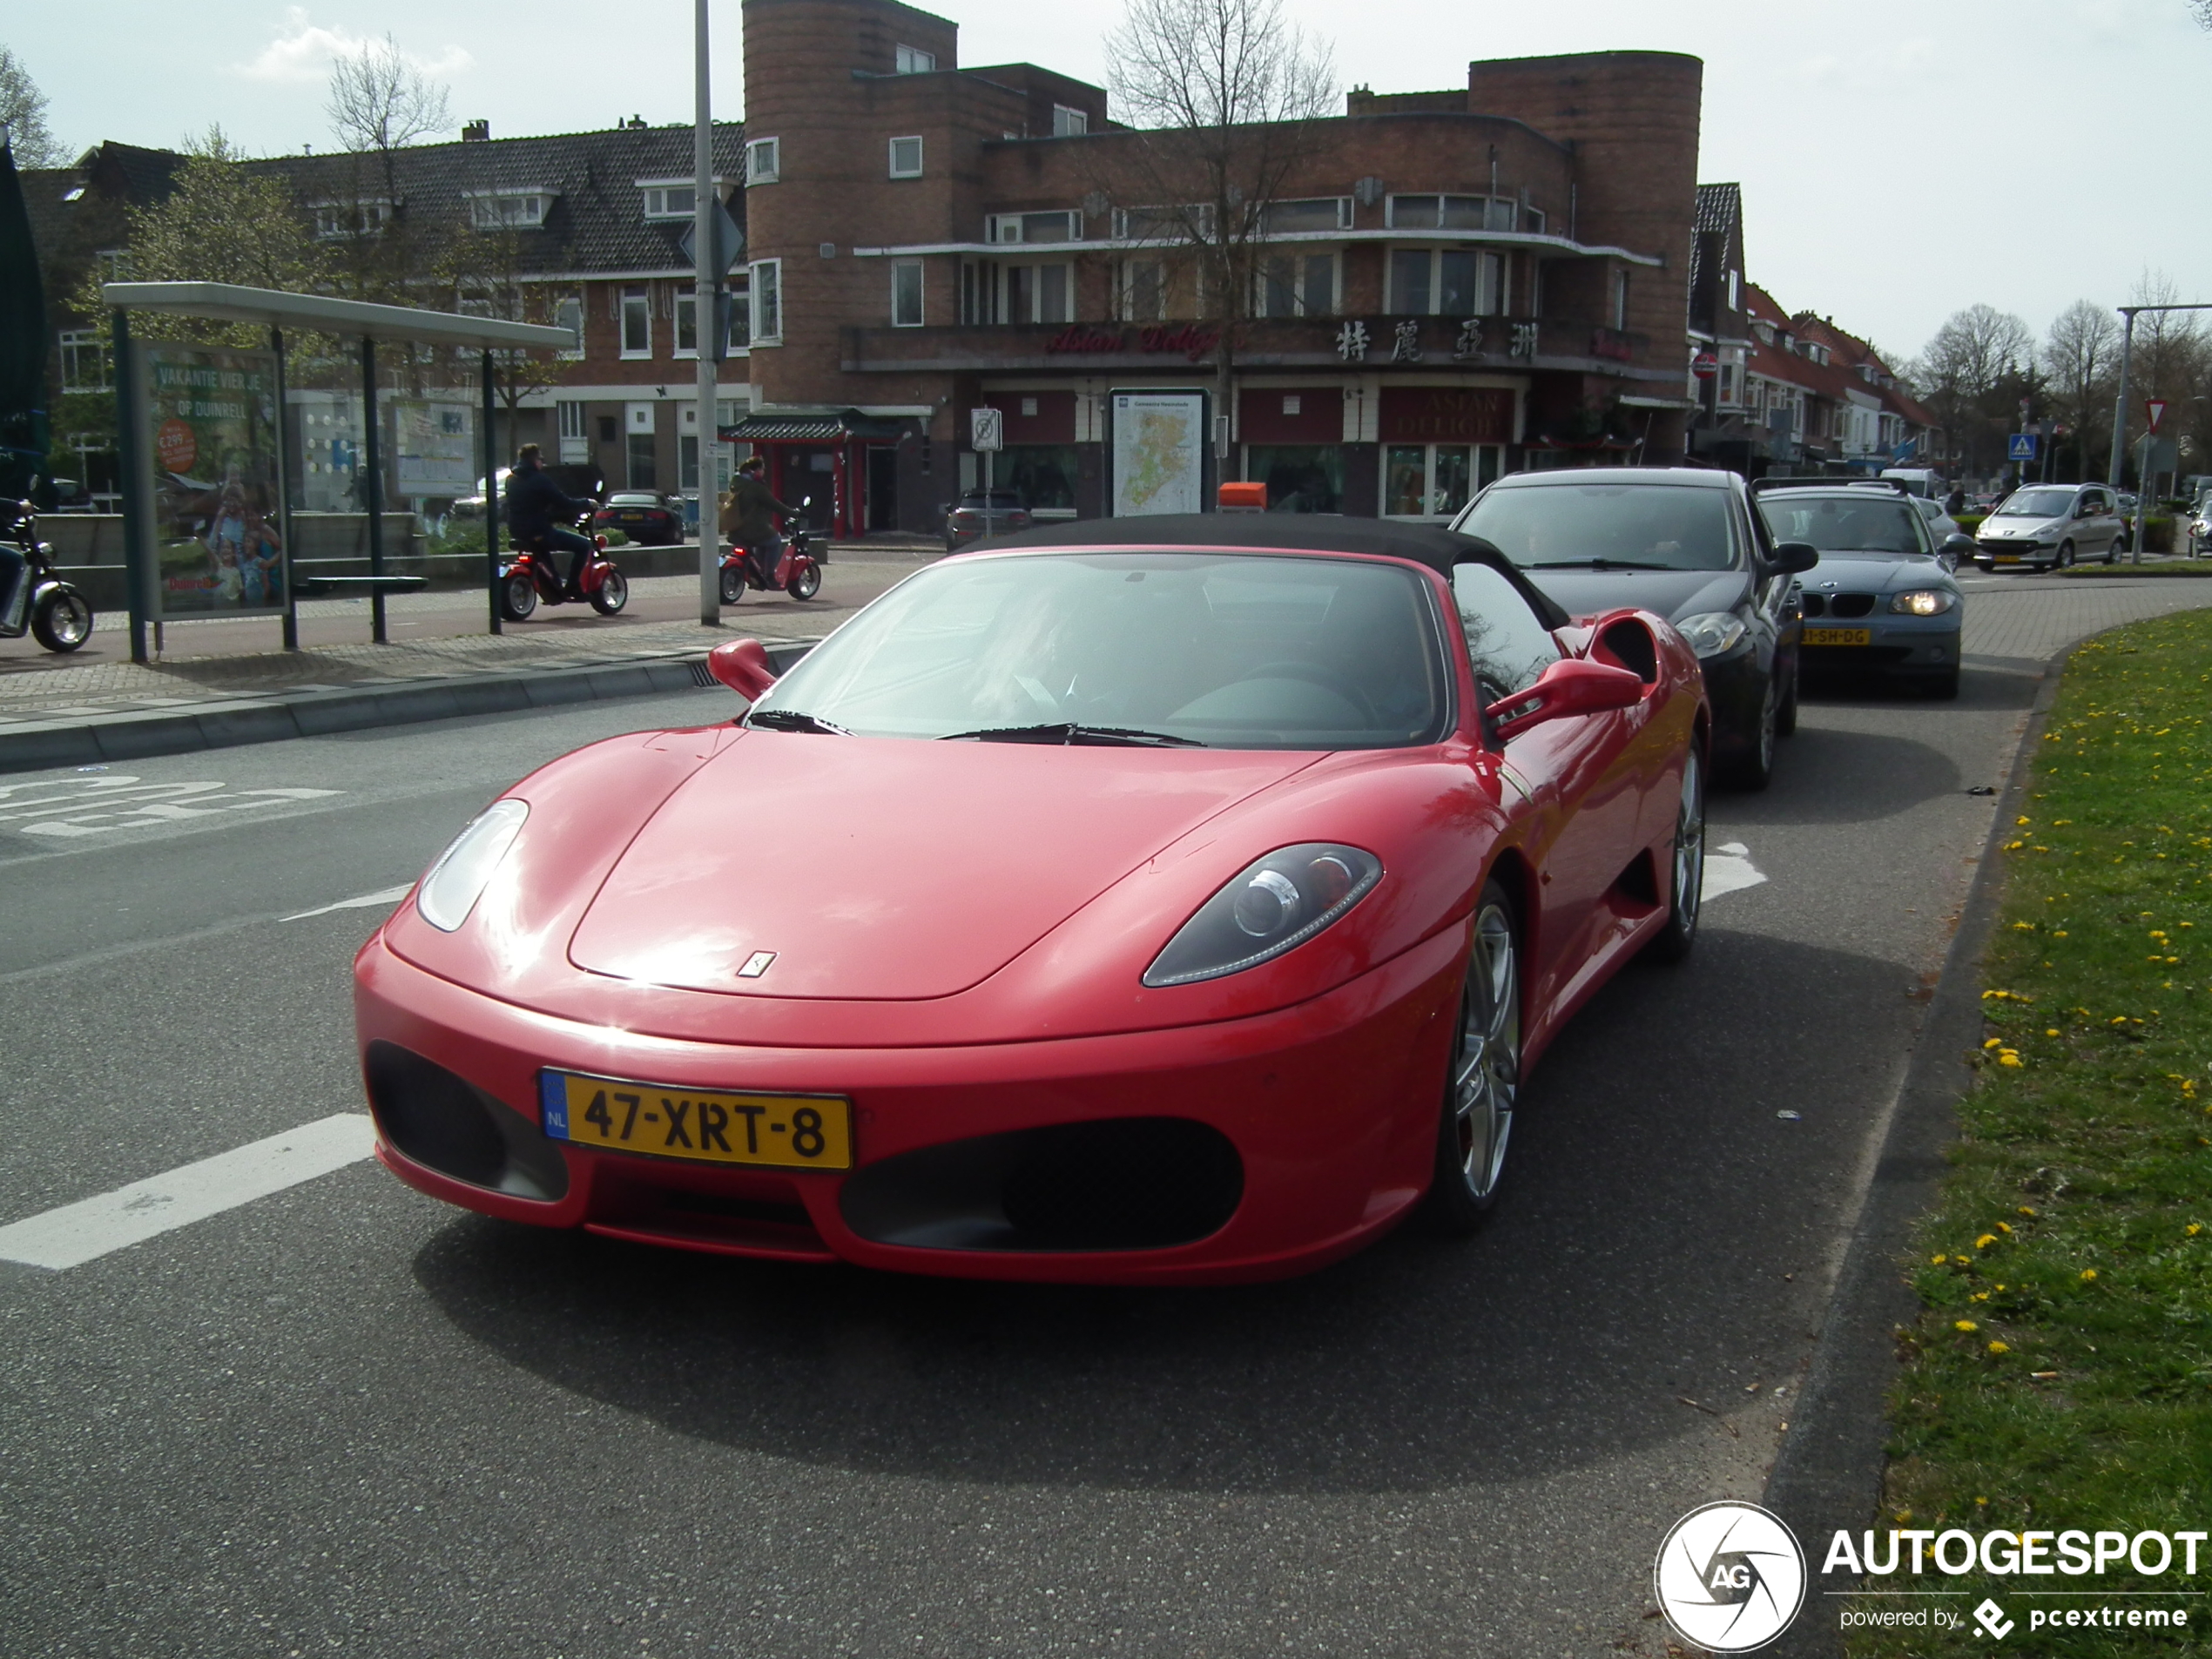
(798,568)
(534,573)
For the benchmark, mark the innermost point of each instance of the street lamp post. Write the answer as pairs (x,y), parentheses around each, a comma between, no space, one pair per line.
(706,317)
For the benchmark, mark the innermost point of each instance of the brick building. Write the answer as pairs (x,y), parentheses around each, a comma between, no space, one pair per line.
(1446,286)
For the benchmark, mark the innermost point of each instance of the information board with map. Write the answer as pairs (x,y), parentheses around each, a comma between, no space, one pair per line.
(1159,453)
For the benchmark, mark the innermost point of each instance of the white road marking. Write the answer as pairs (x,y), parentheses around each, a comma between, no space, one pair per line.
(76,807)
(1730,869)
(76,1233)
(382,896)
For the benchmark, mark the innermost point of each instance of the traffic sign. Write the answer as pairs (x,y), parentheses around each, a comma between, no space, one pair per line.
(2021,446)
(1704,365)
(2156,407)
(986,429)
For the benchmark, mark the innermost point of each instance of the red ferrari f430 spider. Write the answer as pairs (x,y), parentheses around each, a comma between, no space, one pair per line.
(1186,900)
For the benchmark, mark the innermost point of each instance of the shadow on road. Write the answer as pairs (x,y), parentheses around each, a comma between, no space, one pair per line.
(1838,775)
(1640,1257)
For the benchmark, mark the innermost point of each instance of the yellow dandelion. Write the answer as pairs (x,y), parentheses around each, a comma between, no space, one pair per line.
(1994,1042)
(2088,1275)
(2003,1227)
(2009,1057)
(1985,1241)
(1965,1324)
(2195,1228)
(2050,1031)
(1981,1296)
(1938,1259)
(1996,1347)
(1961,1261)
(2027,1210)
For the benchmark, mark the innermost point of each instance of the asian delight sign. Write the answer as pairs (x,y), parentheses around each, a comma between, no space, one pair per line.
(216,486)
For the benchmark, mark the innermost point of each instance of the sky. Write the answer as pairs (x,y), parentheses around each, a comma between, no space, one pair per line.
(1898,161)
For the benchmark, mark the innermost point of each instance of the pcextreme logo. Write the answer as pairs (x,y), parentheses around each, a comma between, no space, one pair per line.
(1729,1577)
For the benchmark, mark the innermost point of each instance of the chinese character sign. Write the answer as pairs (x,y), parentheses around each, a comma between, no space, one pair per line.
(216,485)
(1352,341)
(1406,348)
(1469,344)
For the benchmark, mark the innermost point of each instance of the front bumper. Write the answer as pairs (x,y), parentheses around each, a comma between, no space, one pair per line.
(1909,647)
(1329,1111)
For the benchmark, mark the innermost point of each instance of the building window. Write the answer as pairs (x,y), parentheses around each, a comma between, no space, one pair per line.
(763,161)
(637,323)
(640,458)
(1436,480)
(1164,224)
(336,219)
(1447,283)
(992,292)
(687,325)
(1450,213)
(911,60)
(575,438)
(1735,291)
(1297,285)
(1532,220)
(737,317)
(1143,290)
(767,302)
(671,201)
(568,313)
(1305,217)
(1620,300)
(84,364)
(906,158)
(499,211)
(905,293)
(1068,124)
(1055,226)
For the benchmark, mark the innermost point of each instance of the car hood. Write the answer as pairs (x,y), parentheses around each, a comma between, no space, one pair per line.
(890,868)
(1673,594)
(1873,573)
(2009,527)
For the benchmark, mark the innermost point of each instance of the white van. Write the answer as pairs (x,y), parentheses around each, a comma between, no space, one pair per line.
(1920,481)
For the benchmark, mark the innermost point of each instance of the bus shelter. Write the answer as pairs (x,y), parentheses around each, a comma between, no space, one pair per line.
(220,445)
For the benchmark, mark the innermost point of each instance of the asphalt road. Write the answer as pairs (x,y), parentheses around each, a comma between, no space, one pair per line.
(343,1419)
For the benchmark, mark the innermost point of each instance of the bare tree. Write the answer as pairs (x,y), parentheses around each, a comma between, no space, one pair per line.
(1225,94)
(378,104)
(1971,375)
(23,113)
(2081,354)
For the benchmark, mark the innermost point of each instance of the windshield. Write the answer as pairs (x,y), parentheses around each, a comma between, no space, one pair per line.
(1840,525)
(1230,650)
(1672,526)
(2036,503)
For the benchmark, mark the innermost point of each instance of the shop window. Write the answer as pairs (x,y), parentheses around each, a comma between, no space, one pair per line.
(1042,475)
(1300,477)
(1069,123)
(905,293)
(1297,284)
(767,278)
(637,323)
(906,158)
(763,160)
(1436,480)
(911,60)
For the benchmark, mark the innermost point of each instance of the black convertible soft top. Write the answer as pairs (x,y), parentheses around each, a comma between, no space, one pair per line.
(1429,544)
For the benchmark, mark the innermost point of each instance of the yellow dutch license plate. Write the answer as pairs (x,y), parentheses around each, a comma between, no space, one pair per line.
(2005,558)
(1839,636)
(771,1131)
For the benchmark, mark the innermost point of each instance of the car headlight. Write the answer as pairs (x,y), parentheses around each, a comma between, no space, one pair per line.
(1712,633)
(1275,903)
(1923,601)
(462,871)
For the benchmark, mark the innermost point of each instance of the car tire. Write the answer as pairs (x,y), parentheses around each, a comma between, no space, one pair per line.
(518,596)
(1482,1080)
(1754,770)
(1785,718)
(2112,553)
(1686,868)
(2065,560)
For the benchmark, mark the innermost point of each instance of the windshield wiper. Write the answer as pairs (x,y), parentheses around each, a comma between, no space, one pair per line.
(1597,564)
(1067,732)
(793,720)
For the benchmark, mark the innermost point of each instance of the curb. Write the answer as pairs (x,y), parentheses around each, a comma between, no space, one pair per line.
(33,745)
(1827,1476)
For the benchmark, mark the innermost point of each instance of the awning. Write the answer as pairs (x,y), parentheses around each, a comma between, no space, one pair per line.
(356,319)
(835,426)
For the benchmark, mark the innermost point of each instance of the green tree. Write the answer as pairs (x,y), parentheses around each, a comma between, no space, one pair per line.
(23,111)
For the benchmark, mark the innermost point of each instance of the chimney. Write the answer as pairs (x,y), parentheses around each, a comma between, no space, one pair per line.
(476,132)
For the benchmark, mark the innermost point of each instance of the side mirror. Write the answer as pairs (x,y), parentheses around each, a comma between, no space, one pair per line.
(1571,685)
(743,665)
(1793,559)
(1961,544)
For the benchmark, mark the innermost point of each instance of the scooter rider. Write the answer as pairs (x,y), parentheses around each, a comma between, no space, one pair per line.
(13,567)
(537,512)
(745,517)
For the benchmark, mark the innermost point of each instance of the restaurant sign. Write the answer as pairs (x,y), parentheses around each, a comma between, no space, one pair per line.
(1192,341)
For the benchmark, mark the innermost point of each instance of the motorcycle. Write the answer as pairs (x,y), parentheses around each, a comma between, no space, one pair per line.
(798,568)
(42,604)
(534,573)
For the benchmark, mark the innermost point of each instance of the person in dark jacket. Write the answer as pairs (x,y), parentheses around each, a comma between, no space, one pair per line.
(745,517)
(537,515)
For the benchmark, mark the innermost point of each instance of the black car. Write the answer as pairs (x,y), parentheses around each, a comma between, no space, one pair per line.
(1686,544)
(966,520)
(647,518)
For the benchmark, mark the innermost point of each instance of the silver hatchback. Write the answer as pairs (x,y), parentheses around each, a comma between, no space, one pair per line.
(2047,527)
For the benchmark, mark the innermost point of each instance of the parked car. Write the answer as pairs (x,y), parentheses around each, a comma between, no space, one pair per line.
(2048,527)
(646,517)
(472,505)
(1881,600)
(1941,529)
(1002,509)
(1683,543)
(1205,889)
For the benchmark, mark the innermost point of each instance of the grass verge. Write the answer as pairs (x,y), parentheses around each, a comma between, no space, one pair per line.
(2060,1374)
(2164,566)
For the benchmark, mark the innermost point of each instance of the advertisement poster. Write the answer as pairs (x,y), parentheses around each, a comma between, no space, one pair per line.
(1159,453)
(433,441)
(213,448)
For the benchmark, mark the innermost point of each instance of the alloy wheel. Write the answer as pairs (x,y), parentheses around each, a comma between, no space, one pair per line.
(1689,844)
(1486,1078)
